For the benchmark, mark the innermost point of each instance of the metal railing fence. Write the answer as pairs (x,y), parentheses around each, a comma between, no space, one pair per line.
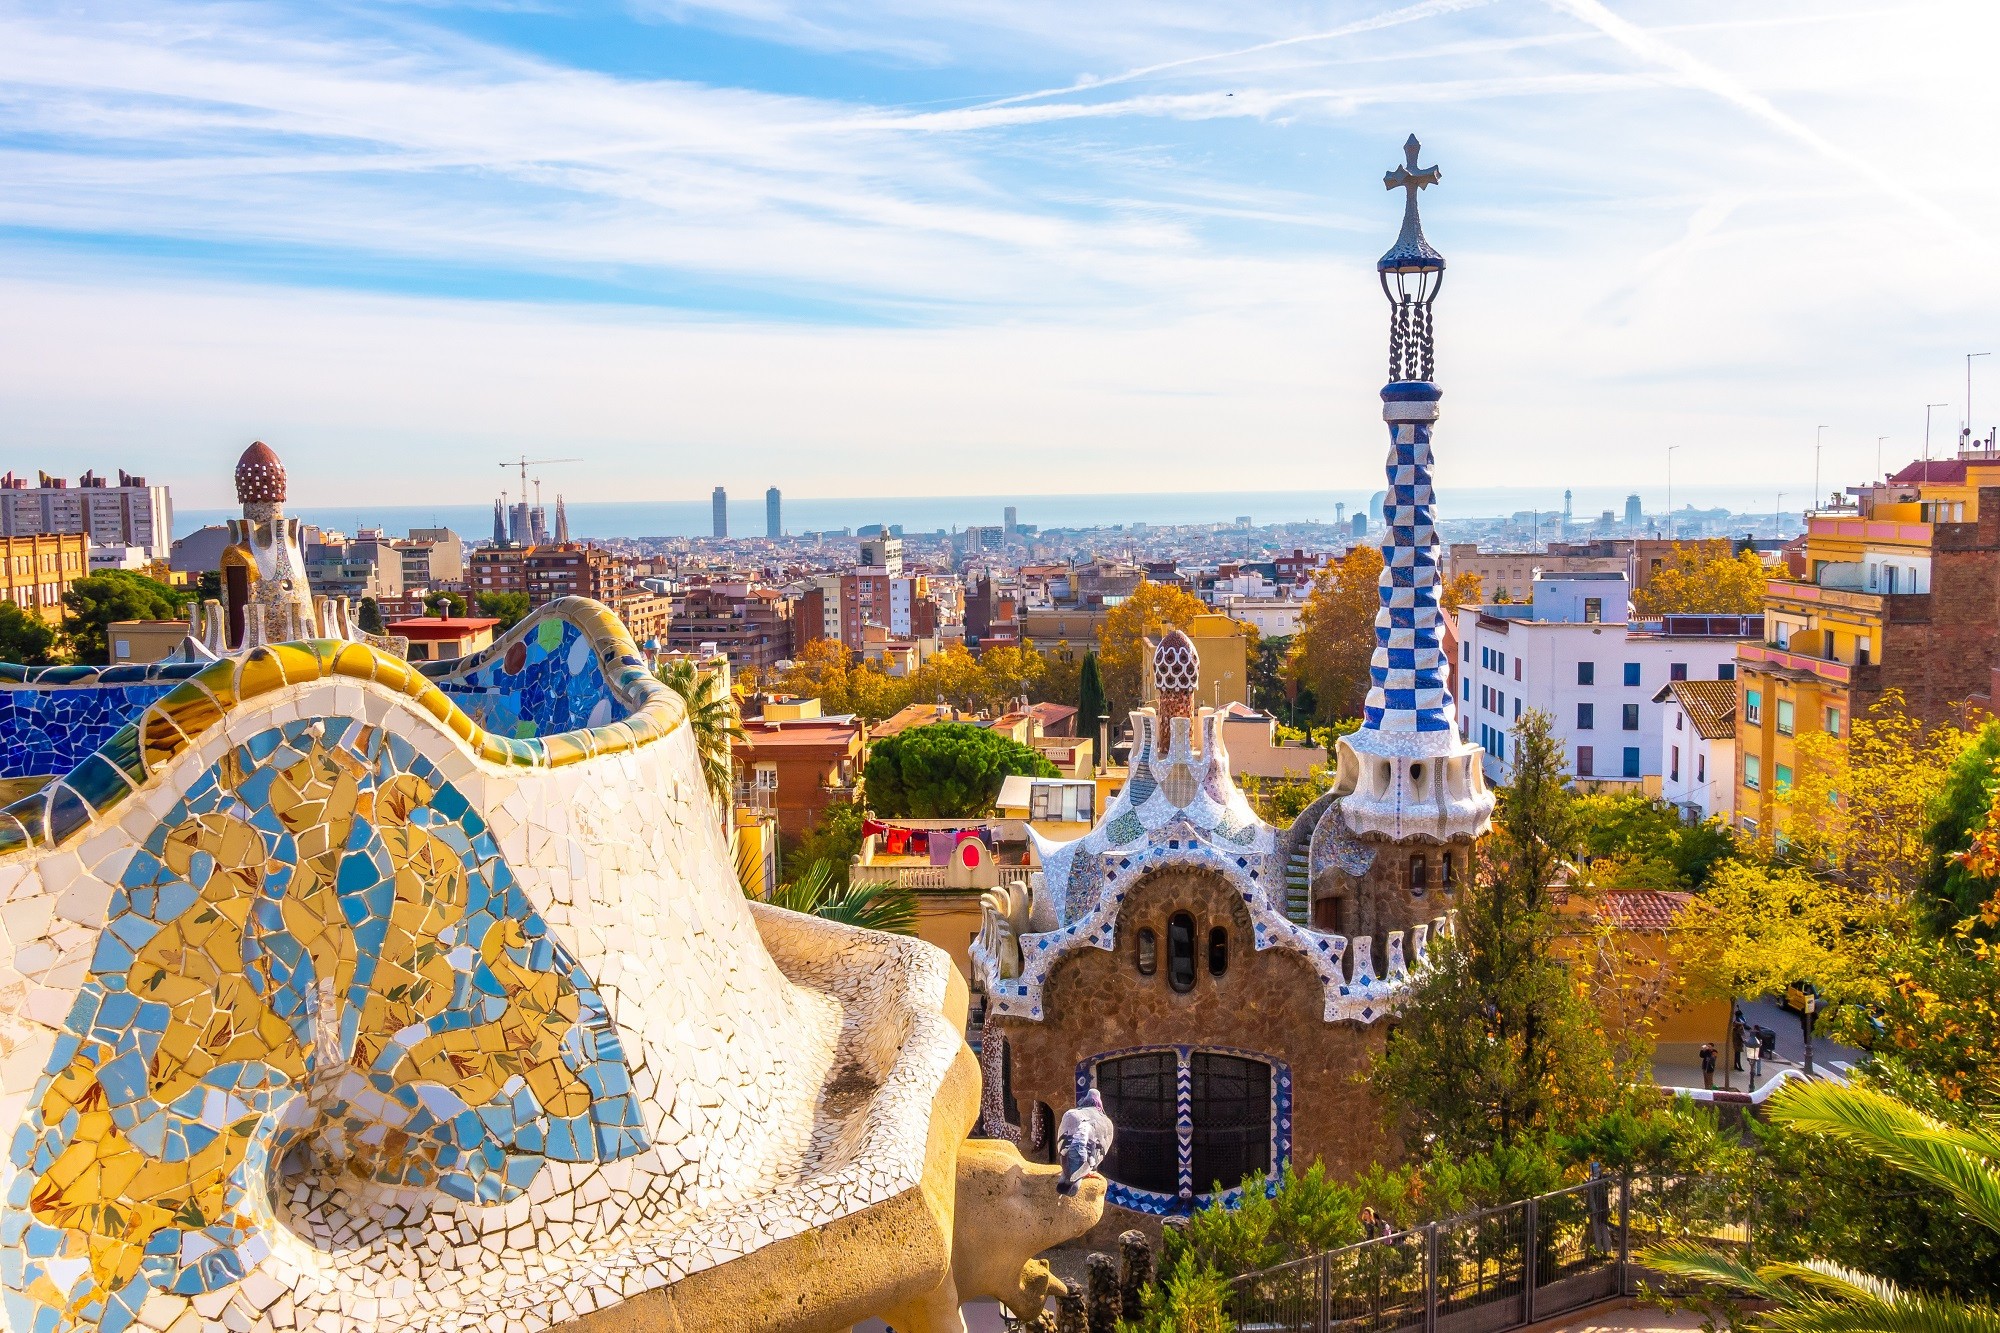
(1489,1271)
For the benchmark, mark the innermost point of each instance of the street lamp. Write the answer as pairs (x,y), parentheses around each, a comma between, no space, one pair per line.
(1819,436)
(1927,438)
(1878,458)
(1968,392)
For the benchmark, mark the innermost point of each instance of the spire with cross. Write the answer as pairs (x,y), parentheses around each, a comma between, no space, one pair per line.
(1411,253)
(1408,771)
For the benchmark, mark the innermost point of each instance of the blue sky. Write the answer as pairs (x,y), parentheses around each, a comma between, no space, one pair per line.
(888,247)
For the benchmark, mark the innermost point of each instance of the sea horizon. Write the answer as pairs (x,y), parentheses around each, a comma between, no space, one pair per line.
(917,515)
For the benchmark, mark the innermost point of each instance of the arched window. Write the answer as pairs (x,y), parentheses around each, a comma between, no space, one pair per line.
(1218,951)
(1231,1123)
(1148,949)
(1180,952)
(1420,874)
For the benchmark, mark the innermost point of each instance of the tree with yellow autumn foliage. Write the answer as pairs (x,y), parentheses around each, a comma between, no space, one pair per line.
(1151,610)
(1336,634)
(1705,578)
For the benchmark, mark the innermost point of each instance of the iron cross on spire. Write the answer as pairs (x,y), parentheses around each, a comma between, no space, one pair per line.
(1410,176)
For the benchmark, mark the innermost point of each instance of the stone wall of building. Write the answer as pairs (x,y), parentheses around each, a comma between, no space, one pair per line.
(1267,1003)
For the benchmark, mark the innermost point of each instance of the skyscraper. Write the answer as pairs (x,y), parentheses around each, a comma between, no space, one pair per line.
(1009,515)
(1635,513)
(774,525)
(719,502)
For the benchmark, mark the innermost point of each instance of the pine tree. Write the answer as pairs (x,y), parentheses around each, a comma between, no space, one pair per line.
(1090,700)
(1497,1040)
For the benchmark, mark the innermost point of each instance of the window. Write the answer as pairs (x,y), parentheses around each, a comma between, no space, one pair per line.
(1224,1135)
(1861,650)
(1420,874)
(1674,769)
(1586,761)
(1784,717)
(1631,673)
(1500,703)
(1468,650)
(1727,671)
(1753,771)
(1783,774)
(1586,673)
(1500,663)
(1517,666)
(1593,610)
(1180,952)
(767,777)
(1631,717)
(1450,868)
(1679,717)
(1833,721)
(1750,826)
(1330,914)
(1468,689)
(1700,767)
(1586,717)
(1517,708)
(1218,951)
(1631,761)
(1753,706)
(1677,671)
(1148,947)
(1139,1096)
(1232,1120)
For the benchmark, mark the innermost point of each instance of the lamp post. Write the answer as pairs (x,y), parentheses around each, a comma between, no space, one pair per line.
(1927,438)
(1820,434)
(1670,492)
(1878,457)
(1968,392)
(1778,517)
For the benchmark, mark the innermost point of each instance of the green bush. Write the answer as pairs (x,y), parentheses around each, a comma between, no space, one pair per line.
(1191,1297)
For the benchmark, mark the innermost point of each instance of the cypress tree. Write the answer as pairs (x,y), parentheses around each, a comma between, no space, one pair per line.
(1090,701)
(369,616)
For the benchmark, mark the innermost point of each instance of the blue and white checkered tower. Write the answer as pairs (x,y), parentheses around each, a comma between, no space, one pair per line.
(1407,773)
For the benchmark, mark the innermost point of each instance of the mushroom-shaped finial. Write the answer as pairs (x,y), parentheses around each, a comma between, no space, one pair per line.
(260,477)
(1176,673)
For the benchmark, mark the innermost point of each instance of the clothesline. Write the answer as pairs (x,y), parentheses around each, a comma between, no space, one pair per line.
(937,844)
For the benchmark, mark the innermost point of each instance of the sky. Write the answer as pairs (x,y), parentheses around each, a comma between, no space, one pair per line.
(884,247)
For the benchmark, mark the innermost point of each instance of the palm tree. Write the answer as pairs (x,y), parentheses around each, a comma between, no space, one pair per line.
(1822,1297)
(889,907)
(712,715)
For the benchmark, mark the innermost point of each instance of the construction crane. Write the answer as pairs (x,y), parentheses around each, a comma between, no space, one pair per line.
(524,463)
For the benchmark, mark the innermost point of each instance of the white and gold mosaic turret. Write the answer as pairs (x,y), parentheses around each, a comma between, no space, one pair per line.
(266,597)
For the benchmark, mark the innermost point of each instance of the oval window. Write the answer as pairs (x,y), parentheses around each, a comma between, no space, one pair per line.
(1149,951)
(1180,952)
(1218,951)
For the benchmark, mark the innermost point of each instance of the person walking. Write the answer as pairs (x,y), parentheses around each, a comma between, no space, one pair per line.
(1708,1065)
(1738,1032)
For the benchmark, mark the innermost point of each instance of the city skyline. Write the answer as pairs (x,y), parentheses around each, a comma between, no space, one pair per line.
(798,239)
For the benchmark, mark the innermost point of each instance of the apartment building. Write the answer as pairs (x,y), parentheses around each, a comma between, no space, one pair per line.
(750,625)
(1573,652)
(131,513)
(1698,742)
(36,569)
(1901,592)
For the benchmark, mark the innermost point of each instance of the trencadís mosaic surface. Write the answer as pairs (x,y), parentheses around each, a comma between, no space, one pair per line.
(318,973)
(325,1006)
(546,681)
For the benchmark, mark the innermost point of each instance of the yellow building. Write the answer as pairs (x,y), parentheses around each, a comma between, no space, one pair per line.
(36,570)
(1896,592)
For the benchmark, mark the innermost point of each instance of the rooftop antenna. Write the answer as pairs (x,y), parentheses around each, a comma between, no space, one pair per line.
(1968,393)
(1927,438)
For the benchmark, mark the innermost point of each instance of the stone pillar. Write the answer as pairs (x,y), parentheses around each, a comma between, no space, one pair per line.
(1135,1255)
(1101,1302)
(1070,1314)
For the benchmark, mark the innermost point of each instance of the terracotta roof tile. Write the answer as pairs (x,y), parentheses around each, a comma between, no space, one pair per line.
(1644,909)
(1710,705)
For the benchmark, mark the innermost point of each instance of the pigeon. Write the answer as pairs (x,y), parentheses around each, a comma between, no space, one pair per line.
(1082,1140)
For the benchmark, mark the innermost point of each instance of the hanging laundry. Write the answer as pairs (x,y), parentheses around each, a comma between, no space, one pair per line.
(942,841)
(873,828)
(920,842)
(899,841)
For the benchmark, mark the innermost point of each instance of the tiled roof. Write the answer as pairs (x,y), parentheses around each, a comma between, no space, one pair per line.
(1937,471)
(1644,909)
(1710,705)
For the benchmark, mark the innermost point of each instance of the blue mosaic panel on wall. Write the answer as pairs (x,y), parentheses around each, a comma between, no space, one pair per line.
(547,682)
(48,731)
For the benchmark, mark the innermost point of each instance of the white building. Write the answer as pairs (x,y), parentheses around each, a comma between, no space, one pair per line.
(1274,617)
(1574,654)
(128,514)
(1698,739)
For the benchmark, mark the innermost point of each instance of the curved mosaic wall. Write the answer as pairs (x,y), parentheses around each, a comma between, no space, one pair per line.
(318,974)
